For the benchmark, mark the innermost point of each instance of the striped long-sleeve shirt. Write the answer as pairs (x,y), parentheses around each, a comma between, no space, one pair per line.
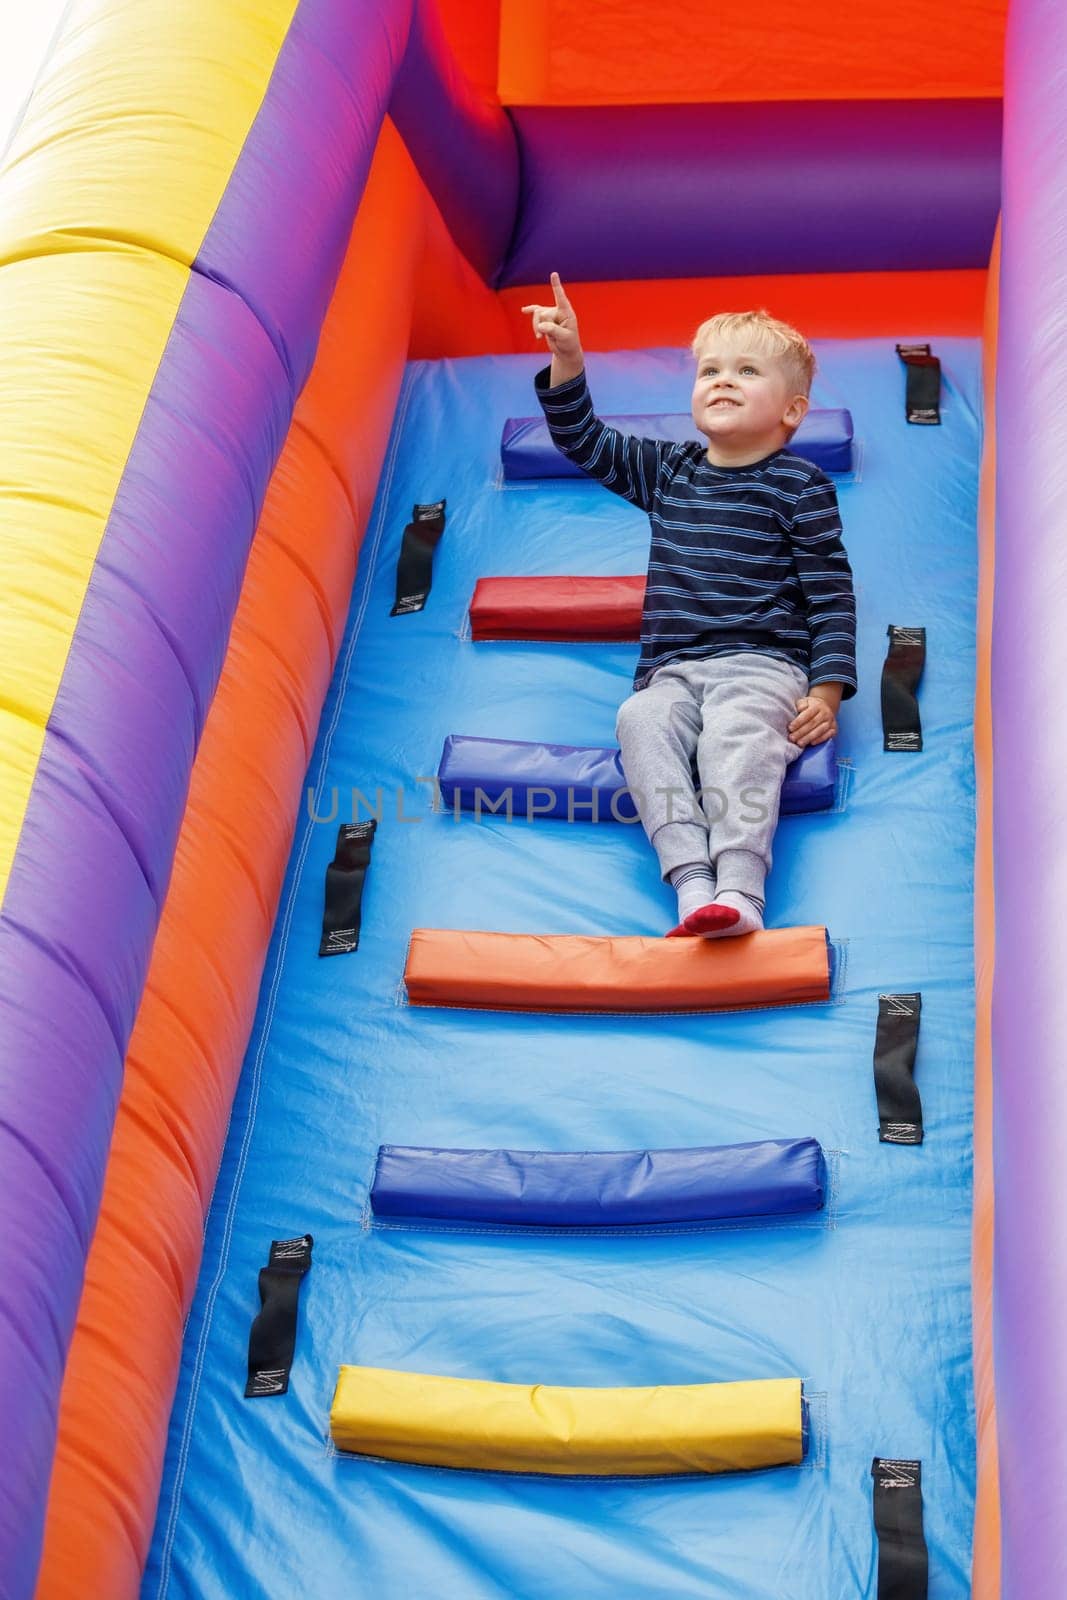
(742,558)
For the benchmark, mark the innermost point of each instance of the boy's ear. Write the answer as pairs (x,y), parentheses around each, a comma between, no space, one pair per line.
(796,410)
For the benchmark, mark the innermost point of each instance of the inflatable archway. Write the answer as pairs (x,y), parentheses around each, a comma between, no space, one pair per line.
(262,267)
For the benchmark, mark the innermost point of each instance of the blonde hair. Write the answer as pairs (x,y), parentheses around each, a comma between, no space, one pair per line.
(777,339)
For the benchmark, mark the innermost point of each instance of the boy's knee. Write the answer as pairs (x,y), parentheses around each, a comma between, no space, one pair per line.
(628,715)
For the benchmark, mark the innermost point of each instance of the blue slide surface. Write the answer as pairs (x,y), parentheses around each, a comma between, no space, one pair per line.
(867,1300)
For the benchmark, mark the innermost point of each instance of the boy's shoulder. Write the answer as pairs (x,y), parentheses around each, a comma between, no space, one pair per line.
(801,467)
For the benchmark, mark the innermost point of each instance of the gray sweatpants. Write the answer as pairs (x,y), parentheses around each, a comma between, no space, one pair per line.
(727,717)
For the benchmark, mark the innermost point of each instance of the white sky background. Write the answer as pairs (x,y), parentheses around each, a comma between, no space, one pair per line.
(26,30)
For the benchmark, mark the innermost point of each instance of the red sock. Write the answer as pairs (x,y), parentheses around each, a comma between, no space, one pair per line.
(705,919)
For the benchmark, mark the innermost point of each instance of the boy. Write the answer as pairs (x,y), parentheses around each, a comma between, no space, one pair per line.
(749,624)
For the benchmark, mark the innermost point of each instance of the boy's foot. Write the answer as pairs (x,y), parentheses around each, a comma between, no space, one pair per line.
(704,921)
(694,884)
(748,915)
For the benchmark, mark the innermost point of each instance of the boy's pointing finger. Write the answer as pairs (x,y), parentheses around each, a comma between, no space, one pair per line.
(560,293)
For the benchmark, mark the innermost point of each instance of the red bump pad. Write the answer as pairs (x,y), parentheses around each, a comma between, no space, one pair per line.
(551,610)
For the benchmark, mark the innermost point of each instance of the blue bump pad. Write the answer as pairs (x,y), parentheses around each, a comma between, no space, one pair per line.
(526,448)
(583,784)
(612,1188)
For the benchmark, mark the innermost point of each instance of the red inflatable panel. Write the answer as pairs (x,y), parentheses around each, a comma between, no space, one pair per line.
(591,610)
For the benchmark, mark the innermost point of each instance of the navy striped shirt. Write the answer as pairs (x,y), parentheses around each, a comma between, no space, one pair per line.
(742,558)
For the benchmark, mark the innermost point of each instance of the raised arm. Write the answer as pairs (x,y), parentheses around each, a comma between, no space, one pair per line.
(622,462)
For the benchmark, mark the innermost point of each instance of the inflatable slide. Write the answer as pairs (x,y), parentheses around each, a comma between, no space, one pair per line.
(386,1207)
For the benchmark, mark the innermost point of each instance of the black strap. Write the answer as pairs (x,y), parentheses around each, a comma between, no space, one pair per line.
(898,1527)
(923,400)
(414,570)
(273,1338)
(900,1111)
(344,888)
(904,662)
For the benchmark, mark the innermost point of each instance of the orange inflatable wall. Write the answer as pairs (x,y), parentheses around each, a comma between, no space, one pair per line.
(986,1559)
(628,52)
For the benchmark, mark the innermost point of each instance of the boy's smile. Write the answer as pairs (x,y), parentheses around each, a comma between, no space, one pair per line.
(742,404)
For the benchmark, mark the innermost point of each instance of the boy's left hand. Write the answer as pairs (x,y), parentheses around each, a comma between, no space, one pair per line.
(816,719)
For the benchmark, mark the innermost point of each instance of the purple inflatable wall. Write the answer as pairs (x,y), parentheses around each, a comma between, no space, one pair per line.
(840,186)
(1029,681)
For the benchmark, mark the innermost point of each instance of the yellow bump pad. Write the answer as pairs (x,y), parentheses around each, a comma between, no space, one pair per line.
(516,1427)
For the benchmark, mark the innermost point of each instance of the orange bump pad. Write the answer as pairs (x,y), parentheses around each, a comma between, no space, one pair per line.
(573,972)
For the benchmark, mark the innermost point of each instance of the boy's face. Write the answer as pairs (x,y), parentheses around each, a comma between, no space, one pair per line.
(741,398)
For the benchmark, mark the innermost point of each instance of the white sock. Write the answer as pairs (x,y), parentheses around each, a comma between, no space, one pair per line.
(694,885)
(750,914)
